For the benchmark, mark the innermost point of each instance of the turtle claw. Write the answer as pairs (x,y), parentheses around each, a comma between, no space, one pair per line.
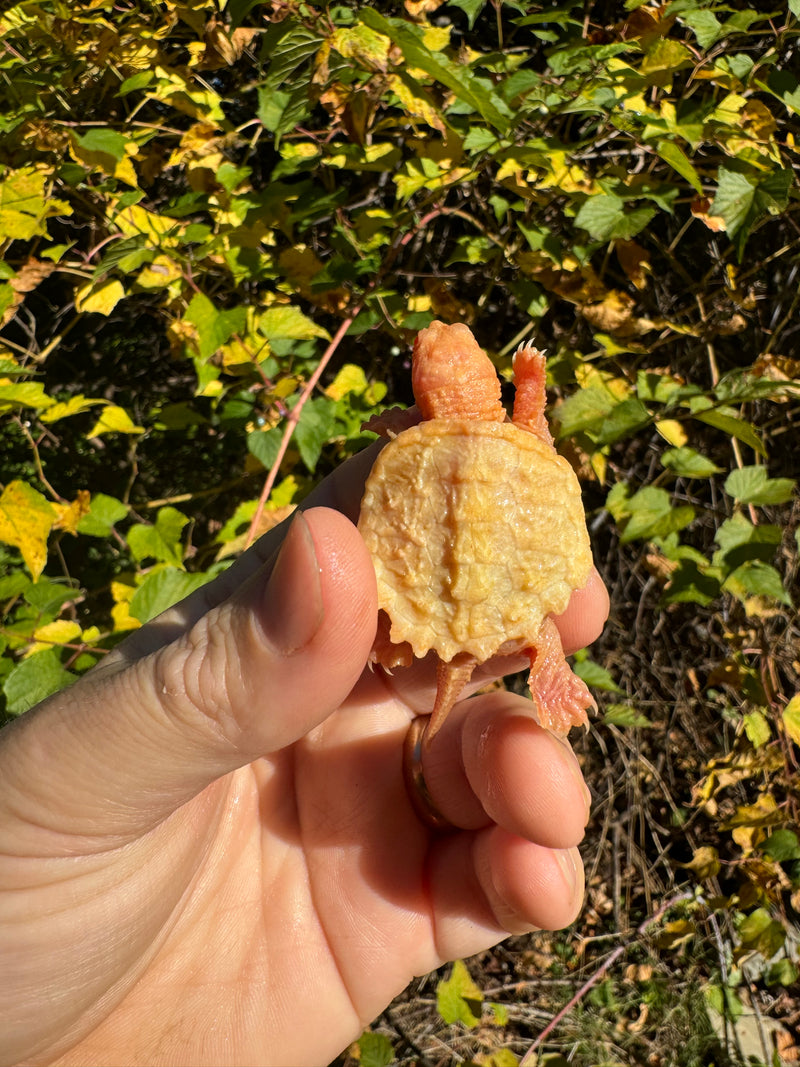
(450,681)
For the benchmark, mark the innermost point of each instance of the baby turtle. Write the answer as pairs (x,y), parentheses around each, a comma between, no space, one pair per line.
(476,527)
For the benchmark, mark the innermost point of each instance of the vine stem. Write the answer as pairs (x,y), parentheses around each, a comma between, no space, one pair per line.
(294,417)
(310,385)
(528,1058)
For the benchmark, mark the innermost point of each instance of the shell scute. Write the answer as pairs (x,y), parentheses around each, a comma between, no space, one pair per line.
(467,522)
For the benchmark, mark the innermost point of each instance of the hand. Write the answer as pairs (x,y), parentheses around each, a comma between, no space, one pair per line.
(207,851)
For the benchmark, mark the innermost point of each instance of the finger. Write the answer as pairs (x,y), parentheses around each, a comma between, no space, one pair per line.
(490,884)
(491,762)
(120,750)
(585,615)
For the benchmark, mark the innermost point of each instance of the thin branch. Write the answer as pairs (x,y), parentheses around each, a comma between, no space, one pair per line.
(293,419)
(528,1058)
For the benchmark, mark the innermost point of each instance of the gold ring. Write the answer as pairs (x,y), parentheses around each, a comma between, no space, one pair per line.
(416,786)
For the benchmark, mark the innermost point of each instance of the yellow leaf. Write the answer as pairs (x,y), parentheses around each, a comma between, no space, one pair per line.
(672,430)
(704,862)
(675,933)
(25,204)
(123,620)
(60,632)
(364,46)
(350,379)
(763,813)
(136,221)
(114,419)
(62,409)
(26,519)
(107,162)
(791,718)
(123,593)
(101,299)
(418,302)
(69,515)
(162,272)
(436,38)
(416,102)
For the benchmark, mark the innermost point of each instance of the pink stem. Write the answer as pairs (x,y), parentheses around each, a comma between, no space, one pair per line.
(598,974)
(294,417)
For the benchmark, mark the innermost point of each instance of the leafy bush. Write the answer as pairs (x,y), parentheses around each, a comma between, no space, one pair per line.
(221,226)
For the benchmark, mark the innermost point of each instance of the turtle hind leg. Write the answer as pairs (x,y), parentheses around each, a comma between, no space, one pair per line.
(559,696)
(450,681)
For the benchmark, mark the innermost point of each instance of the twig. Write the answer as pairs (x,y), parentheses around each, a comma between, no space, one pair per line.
(310,385)
(293,419)
(598,974)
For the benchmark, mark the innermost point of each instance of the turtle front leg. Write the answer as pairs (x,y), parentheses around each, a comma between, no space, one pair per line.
(559,696)
(450,681)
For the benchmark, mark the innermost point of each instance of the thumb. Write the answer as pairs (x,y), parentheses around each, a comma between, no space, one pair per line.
(124,748)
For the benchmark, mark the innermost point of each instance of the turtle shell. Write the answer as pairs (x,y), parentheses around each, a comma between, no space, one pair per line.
(477,532)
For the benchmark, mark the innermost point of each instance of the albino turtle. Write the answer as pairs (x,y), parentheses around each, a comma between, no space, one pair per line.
(476,527)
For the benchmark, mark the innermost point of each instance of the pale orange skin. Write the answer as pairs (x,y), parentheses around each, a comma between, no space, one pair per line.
(429,466)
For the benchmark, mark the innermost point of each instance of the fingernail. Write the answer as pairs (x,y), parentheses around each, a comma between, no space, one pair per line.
(567,861)
(577,774)
(293,596)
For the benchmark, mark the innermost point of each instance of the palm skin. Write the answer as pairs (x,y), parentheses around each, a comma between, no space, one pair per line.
(207,852)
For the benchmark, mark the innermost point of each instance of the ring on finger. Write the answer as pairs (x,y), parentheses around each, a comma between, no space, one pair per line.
(416,786)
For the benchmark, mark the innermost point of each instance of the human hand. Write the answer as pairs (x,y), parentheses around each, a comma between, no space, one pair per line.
(207,851)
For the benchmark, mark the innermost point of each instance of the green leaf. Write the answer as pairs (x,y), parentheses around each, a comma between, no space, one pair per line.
(733,200)
(161,589)
(705,26)
(687,463)
(265,445)
(723,1000)
(756,578)
(752,485)
(623,421)
(34,679)
(287,321)
(102,141)
(376,1050)
(757,728)
(625,715)
(473,8)
(652,514)
(604,217)
(759,932)
(594,675)
(584,411)
(458,998)
(733,426)
(214,328)
(781,972)
(459,79)
(24,395)
(781,846)
(63,409)
(314,429)
(161,541)
(104,513)
(678,160)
